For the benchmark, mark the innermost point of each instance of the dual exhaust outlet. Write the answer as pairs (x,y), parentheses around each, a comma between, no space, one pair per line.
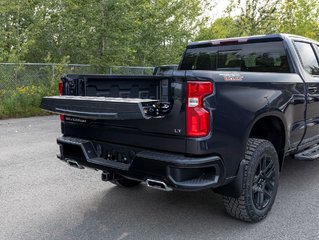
(160,185)
(152,183)
(74,164)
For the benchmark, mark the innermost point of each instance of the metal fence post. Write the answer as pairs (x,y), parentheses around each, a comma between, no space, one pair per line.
(16,75)
(53,72)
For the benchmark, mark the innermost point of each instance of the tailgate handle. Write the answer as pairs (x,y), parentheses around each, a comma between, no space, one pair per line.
(71,112)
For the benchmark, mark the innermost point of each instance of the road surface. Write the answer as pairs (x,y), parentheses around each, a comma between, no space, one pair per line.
(43,198)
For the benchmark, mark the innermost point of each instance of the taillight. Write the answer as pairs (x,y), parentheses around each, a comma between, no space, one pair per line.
(61,88)
(197,117)
(62,117)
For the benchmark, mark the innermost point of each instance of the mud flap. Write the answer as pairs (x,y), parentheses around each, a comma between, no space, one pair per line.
(235,187)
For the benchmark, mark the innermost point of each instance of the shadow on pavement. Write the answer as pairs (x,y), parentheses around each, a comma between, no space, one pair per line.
(142,213)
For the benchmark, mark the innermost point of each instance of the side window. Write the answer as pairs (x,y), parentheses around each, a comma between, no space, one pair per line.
(317,50)
(308,57)
(264,57)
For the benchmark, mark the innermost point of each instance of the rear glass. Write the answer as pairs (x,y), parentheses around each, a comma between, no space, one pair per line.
(252,57)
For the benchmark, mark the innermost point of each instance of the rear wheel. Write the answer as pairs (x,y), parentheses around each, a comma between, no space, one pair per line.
(125,182)
(259,185)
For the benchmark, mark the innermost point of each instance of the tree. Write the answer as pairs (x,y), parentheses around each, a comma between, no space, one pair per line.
(300,17)
(242,18)
(164,28)
(101,32)
(256,16)
(15,35)
(225,27)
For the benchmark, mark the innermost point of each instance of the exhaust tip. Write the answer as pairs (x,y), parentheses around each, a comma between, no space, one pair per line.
(74,164)
(160,185)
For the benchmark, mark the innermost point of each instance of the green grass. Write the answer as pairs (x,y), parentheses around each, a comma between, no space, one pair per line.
(24,101)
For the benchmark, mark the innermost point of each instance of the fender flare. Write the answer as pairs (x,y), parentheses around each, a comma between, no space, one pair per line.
(235,186)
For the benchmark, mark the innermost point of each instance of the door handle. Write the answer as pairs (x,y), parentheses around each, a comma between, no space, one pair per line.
(312,90)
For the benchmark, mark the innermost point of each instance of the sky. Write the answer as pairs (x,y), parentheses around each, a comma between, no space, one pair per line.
(219,9)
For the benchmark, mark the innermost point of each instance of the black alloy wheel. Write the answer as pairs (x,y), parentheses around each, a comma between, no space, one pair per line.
(264,182)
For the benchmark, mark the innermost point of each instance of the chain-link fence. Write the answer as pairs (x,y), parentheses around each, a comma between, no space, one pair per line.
(19,75)
(23,85)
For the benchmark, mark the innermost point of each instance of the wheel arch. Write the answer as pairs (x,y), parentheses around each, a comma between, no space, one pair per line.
(269,126)
(235,187)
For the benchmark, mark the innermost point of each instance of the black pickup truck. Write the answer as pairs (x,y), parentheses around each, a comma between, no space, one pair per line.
(224,120)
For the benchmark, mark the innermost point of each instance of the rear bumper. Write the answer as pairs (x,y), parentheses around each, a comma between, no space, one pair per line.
(176,170)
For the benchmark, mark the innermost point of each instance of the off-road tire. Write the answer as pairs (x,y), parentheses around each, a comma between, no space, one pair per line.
(258,184)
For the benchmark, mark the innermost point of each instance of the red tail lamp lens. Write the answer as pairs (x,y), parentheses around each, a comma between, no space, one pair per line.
(61,88)
(197,117)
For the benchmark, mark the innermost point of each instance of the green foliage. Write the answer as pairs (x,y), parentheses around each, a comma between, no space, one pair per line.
(120,32)
(256,16)
(163,28)
(300,17)
(137,32)
(100,32)
(251,17)
(22,87)
(224,27)
(244,18)
(24,101)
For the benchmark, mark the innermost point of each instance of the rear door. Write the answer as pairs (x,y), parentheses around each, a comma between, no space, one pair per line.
(308,54)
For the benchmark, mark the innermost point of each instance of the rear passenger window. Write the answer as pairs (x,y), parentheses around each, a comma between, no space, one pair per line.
(229,59)
(200,59)
(308,57)
(250,57)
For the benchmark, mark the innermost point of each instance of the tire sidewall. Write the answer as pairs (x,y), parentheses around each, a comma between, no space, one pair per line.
(264,148)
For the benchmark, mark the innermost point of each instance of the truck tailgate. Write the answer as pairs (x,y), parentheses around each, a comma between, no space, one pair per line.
(99,107)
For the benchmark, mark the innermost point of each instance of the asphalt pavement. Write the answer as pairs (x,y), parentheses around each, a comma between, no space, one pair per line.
(43,198)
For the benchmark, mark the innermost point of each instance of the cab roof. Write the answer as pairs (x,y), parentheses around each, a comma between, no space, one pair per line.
(247,39)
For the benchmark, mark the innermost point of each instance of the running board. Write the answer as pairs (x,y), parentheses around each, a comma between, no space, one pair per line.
(102,107)
(309,154)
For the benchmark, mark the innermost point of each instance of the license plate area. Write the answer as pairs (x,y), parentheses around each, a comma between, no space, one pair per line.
(113,152)
(104,154)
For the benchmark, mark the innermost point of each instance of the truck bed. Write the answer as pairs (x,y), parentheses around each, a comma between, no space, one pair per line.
(139,111)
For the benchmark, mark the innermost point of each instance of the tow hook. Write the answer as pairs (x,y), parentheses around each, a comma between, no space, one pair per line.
(107,176)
